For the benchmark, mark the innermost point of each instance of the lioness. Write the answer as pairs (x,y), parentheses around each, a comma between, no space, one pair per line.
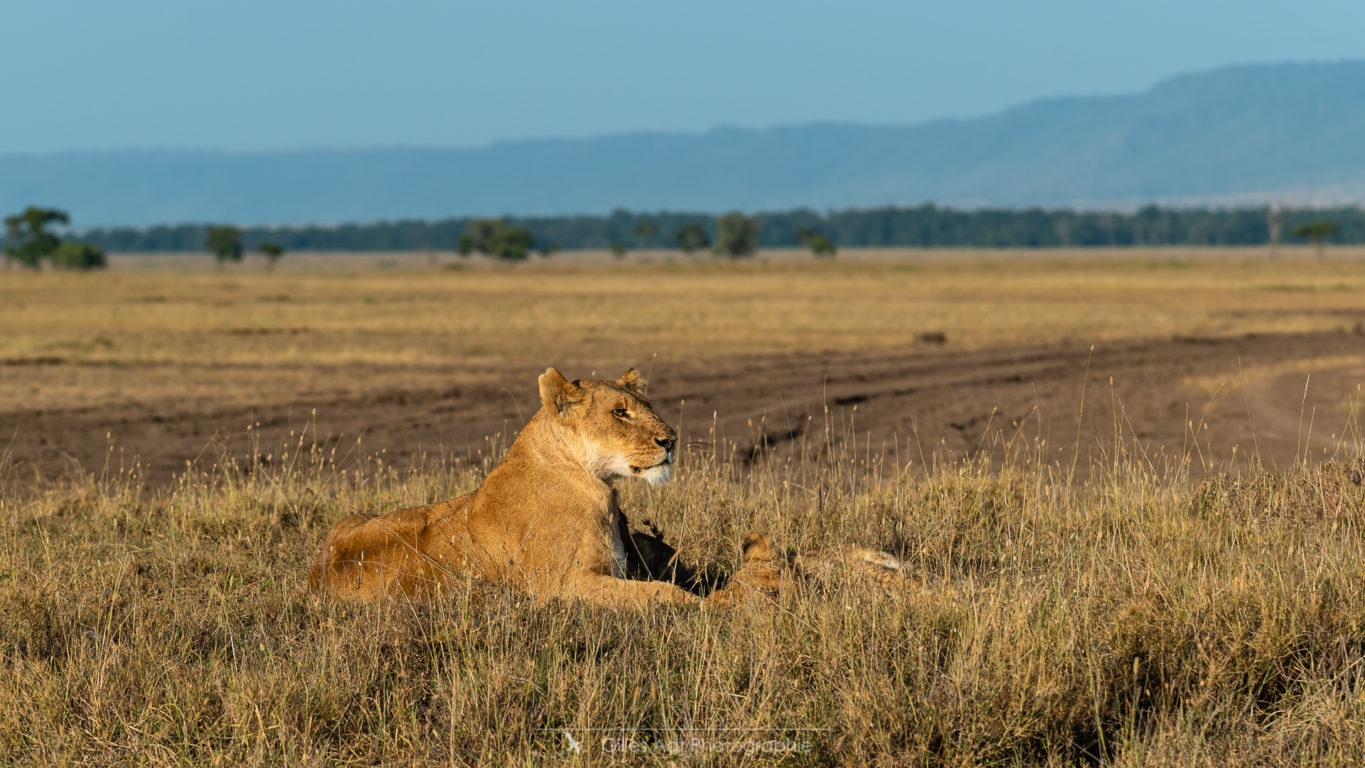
(546,518)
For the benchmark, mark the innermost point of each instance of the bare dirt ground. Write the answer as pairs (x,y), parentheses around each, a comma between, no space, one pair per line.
(1273,396)
(918,354)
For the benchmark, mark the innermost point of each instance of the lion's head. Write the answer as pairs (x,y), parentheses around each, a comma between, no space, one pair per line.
(610,426)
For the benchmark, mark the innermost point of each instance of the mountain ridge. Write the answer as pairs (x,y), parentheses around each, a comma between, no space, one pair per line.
(1249,132)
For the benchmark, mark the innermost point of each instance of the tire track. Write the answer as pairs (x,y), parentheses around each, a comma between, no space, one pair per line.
(940,398)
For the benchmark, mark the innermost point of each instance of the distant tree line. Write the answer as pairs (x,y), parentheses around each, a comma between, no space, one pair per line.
(919,226)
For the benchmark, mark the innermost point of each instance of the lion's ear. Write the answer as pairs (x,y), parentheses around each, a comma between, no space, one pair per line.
(558,393)
(632,379)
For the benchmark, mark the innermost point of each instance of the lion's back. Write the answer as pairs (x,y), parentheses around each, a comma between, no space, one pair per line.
(366,554)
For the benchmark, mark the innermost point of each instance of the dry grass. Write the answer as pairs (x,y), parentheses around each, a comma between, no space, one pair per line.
(249,336)
(1138,618)
(1133,620)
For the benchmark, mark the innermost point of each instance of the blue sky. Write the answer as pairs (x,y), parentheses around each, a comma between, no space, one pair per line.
(289,74)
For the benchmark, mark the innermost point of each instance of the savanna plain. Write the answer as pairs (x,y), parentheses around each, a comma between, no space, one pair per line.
(1128,487)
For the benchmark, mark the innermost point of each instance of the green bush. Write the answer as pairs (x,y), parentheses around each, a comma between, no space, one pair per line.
(495,238)
(71,255)
(736,235)
(510,243)
(225,243)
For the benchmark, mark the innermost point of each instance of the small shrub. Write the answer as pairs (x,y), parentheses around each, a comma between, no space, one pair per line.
(78,256)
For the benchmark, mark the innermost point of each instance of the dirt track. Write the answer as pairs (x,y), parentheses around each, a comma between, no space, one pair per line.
(909,400)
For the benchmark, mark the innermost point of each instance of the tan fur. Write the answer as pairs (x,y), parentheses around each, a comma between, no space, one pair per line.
(870,566)
(545,519)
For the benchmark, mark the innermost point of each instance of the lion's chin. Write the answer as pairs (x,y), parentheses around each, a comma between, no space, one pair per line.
(655,475)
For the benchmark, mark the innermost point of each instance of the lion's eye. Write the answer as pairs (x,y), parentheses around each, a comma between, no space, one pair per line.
(621,413)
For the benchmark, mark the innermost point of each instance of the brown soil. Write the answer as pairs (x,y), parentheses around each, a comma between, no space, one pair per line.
(912,402)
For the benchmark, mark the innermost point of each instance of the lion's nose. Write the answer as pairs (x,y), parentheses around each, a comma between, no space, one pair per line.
(666,443)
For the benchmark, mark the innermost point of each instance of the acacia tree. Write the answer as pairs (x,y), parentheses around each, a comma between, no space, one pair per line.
(1316,232)
(477,235)
(27,239)
(493,237)
(736,235)
(225,243)
(272,252)
(510,243)
(821,246)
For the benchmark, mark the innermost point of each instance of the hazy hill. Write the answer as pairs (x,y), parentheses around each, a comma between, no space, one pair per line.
(1236,134)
